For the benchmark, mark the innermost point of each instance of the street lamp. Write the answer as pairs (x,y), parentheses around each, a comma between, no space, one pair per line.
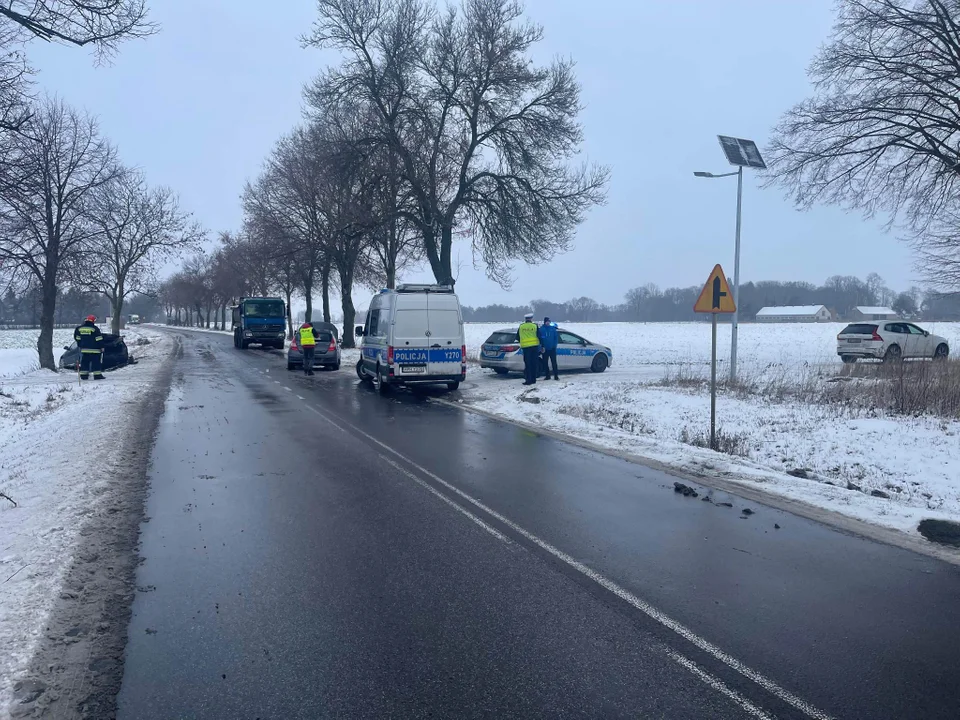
(742,153)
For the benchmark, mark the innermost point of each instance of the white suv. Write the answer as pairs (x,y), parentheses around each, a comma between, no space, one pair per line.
(889,341)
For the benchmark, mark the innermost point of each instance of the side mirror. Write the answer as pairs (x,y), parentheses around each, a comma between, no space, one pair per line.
(66,347)
(926,333)
(358,331)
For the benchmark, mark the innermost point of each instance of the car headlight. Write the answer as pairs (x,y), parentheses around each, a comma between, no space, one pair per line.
(247,333)
(281,334)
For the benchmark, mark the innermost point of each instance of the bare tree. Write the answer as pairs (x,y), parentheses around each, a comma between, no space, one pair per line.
(45,215)
(139,227)
(101,24)
(483,135)
(879,133)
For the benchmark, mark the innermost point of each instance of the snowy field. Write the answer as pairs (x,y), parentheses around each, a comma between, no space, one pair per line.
(44,418)
(18,350)
(914,460)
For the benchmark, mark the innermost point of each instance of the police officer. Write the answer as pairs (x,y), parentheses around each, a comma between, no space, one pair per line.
(530,345)
(90,343)
(307,337)
(549,339)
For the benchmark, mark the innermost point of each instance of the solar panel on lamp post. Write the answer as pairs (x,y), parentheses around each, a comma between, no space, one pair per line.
(742,153)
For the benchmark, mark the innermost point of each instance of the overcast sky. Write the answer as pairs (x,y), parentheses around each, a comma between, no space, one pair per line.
(199,106)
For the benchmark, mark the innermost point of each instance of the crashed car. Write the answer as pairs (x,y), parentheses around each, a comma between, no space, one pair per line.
(327,352)
(115,354)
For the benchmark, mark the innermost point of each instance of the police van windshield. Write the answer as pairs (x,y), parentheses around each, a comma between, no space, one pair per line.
(263,308)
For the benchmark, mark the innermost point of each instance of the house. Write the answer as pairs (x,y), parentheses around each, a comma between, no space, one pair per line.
(862,312)
(794,313)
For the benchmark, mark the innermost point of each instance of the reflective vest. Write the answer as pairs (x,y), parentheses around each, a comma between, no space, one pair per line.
(306,337)
(528,335)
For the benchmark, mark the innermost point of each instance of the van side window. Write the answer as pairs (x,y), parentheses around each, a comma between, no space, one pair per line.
(373,322)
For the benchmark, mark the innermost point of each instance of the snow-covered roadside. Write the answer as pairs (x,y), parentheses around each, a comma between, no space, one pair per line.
(49,425)
(915,461)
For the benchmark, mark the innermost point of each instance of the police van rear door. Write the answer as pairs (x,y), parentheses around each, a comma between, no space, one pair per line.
(446,334)
(411,335)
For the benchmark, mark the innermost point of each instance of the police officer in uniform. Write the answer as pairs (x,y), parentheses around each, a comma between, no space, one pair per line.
(90,343)
(530,345)
(308,346)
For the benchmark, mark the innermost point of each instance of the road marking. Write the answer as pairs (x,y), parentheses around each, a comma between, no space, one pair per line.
(459,508)
(286,388)
(718,685)
(424,484)
(646,608)
(300,397)
(277,382)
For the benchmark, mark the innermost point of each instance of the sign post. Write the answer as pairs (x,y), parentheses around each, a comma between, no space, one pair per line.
(715,298)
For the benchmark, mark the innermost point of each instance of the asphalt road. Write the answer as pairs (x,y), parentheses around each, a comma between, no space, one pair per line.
(314,550)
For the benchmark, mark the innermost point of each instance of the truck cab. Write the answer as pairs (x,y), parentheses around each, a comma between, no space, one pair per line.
(259,321)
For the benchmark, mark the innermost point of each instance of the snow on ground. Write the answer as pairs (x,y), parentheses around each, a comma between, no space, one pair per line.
(47,422)
(18,350)
(916,461)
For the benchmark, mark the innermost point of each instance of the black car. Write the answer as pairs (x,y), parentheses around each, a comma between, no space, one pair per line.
(115,353)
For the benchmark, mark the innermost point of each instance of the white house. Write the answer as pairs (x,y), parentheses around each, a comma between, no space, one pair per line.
(862,312)
(794,313)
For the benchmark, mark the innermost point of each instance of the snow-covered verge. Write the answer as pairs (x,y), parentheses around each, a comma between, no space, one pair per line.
(848,455)
(18,350)
(51,428)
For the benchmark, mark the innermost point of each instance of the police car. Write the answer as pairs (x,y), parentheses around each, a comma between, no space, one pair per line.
(412,336)
(501,353)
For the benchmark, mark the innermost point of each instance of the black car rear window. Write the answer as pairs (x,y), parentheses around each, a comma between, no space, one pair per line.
(323,336)
(502,338)
(859,329)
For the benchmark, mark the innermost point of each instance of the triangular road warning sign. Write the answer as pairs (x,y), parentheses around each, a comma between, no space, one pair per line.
(715,296)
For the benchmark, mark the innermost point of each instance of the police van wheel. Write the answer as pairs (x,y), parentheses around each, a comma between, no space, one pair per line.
(599,363)
(360,372)
(500,371)
(451,386)
(382,387)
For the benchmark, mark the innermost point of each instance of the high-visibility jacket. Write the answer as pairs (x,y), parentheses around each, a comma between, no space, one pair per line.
(307,338)
(88,338)
(528,335)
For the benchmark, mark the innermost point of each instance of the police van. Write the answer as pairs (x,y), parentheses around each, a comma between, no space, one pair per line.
(413,335)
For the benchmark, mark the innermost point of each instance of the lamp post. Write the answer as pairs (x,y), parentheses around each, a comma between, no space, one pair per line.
(736,267)
(742,153)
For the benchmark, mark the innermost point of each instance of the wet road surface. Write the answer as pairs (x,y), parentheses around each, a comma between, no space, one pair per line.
(314,550)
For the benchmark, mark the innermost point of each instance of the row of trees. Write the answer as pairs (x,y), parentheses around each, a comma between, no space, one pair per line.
(650,303)
(435,125)
(74,221)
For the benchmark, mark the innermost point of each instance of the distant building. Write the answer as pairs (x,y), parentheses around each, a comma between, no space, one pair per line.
(795,313)
(862,312)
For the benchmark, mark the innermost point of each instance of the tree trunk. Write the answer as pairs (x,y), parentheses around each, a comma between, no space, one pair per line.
(48,307)
(349,311)
(325,290)
(223,317)
(116,305)
(446,248)
(430,245)
(288,293)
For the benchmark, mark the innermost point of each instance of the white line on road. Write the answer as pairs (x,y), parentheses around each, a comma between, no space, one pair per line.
(646,608)
(459,508)
(286,388)
(718,685)
(300,397)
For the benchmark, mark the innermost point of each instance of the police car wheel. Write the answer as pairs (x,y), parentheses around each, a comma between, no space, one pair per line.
(451,386)
(599,363)
(382,387)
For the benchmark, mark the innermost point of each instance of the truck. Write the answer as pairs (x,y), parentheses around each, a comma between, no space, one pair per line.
(259,321)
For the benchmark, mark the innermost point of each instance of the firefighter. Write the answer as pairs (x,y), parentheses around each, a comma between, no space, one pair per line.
(90,343)
(308,346)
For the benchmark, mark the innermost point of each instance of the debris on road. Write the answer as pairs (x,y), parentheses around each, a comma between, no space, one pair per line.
(685,490)
(747,511)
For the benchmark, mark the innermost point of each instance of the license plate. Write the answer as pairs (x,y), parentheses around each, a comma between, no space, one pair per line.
(413,369)
(491,353)
(853,341)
